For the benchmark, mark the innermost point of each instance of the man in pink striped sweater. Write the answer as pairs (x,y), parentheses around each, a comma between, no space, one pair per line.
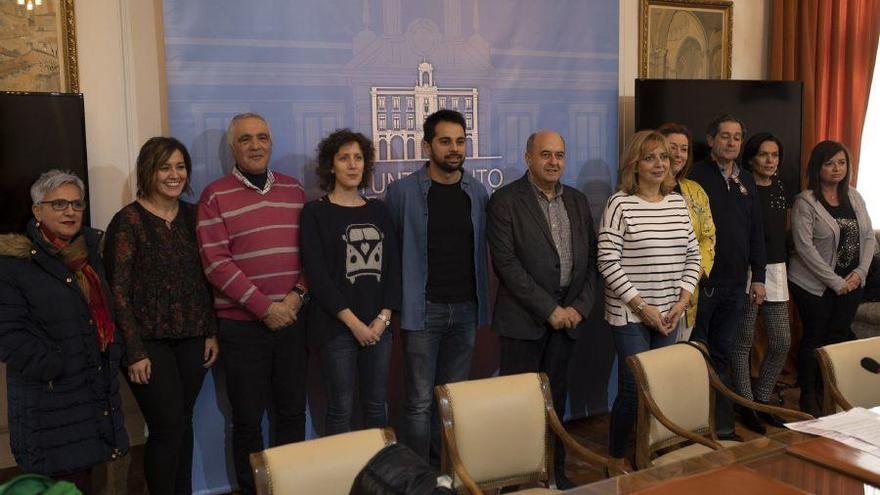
(248,232)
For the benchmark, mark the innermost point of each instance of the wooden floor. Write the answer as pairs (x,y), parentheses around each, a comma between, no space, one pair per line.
(591,432)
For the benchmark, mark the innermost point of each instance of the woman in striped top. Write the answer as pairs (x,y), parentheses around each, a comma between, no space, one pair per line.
(650,260)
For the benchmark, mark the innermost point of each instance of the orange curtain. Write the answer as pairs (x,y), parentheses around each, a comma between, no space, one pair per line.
(831,46)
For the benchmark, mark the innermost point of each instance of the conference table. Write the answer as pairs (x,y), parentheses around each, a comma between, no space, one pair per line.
(782,463)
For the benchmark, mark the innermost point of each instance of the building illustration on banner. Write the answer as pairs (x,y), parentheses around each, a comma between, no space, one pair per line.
(396,122)
(398,114)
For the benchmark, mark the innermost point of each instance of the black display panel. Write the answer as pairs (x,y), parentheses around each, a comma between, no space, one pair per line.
(764,106)
(38,132)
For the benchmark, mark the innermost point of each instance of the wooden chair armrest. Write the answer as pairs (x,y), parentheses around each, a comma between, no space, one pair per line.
(612,467)
(742,401)
(831,390)
(261,473)
(451,447)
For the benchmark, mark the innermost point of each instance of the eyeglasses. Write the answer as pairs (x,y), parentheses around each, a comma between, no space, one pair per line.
(61,204)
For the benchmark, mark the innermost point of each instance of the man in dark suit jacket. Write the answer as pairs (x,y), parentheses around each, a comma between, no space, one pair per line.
(543,248)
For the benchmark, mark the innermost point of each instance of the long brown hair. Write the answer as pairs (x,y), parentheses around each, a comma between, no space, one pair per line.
(821,153)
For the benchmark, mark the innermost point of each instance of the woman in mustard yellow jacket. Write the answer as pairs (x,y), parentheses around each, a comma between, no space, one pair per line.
(681,160)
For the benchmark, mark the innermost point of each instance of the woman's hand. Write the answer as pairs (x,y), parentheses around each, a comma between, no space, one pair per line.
(212,350)
(651,317)
(140,371)
(674,314)
(363,334)
(853,281)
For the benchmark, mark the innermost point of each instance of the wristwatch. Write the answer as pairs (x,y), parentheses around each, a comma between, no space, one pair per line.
(303,294)
(640,307)
(382,317)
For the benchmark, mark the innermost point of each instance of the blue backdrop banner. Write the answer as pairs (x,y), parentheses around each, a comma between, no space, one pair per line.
(380,67)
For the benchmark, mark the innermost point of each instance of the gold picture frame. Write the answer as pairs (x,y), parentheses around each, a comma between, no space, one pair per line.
(685,39)
(38,47)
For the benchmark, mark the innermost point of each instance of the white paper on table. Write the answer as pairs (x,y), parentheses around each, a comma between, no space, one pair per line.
(857,428)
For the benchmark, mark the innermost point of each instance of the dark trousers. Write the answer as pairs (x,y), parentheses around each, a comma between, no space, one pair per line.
(167,404)
(718,315)
(826,319)
(548,354)
(438,354)
(265,370)
(345,365)
(629,339)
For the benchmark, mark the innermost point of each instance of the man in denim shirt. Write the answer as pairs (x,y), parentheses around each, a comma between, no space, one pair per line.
(439,213)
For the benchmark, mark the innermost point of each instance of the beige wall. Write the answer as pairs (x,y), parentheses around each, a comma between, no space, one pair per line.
(122,77)
(751,21)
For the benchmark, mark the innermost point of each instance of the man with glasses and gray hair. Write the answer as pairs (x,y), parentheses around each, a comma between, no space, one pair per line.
(739,248)
(248,233)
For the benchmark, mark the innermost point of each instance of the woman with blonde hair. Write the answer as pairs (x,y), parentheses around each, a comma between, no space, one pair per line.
(650,259)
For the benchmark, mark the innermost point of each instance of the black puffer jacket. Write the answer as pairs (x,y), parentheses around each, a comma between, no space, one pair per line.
(63,393)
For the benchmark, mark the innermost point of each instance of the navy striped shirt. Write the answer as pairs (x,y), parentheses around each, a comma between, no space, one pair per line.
(646,249)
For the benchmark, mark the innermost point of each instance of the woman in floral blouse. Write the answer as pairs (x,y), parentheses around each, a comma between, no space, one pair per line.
(164,309)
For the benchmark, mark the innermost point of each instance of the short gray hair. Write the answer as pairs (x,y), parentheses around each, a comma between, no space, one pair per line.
(53,179)
(243,116)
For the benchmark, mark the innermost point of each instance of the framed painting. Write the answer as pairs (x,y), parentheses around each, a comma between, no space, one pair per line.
(685,39)
(38,46)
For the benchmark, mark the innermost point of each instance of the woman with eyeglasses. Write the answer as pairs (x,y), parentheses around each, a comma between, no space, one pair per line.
(762,156)
(833,247)
(58,339)
(650,260)
(164,309)
(680,164)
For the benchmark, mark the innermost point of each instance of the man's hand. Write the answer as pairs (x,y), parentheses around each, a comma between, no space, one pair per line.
(574,317)
(559,318)
(294,302)
(757,293)
(279,316)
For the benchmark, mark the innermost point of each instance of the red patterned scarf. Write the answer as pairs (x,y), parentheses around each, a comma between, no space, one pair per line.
(75,256)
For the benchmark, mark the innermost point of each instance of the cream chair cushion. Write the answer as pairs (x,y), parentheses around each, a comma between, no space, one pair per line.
(326,466)
(500,425)
(858,386)
(689,451)
(678,381)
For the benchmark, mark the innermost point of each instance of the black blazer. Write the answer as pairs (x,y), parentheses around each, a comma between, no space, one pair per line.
(527,264)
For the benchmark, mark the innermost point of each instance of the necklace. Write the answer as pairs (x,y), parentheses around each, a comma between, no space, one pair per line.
(167,216)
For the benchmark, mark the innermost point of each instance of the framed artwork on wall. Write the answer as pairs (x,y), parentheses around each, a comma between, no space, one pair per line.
(685,39)
(38,46)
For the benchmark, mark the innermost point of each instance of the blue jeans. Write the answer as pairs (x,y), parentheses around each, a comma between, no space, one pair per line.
(345,364)
(718,318)
(629,339)
(439,354)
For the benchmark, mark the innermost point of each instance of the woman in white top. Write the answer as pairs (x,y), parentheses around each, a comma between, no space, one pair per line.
(650,260)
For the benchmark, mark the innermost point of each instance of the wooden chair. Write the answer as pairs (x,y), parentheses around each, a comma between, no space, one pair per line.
(326,465)
(500,431)
(676,403)
(847,384)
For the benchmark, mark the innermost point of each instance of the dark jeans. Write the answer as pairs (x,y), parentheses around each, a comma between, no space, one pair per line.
(826,320)
(345,364)
(629,339)
(718,316)
(440,353)
(264,369)
(167,404)
(548,354)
